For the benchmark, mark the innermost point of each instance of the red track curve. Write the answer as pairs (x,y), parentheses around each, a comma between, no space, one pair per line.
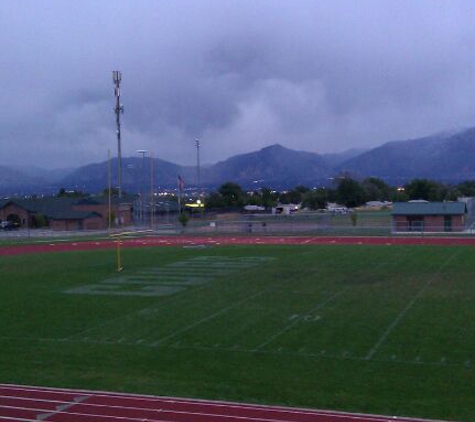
(25,403)
(230,240)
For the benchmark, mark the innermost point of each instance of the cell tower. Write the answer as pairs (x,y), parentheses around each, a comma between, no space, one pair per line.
(119,109)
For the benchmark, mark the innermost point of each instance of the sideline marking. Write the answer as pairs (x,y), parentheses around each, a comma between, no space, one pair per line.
(403,313)
(323,354)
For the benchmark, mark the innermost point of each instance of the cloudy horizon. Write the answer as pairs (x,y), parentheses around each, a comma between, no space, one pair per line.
(239,75)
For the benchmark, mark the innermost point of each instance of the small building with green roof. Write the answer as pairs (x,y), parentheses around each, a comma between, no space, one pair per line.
(423,216)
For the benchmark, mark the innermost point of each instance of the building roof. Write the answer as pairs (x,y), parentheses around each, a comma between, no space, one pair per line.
(51,206)
(43,206)
(74,215)
(429,208)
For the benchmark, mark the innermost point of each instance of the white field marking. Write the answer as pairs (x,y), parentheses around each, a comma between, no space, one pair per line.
(403,313)
(160,413)
(213,403)
(321,355)
(296,321)
(132,315)
(61,408)
(308,241)
(113,290)
(181,274)
(305,318)
(209,317)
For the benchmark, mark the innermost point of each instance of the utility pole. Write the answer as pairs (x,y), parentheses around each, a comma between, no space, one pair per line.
(119,109)
(142,186)
(198,173)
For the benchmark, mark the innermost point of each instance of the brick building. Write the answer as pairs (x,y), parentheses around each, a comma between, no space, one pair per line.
(67,213)
(429,216)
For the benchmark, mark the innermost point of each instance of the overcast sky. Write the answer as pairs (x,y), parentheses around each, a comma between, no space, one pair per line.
(322,76)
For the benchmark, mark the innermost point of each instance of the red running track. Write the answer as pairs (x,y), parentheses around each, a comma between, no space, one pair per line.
(25,403)
(45,247)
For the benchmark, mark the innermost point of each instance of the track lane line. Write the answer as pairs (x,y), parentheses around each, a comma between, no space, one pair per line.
(225,404)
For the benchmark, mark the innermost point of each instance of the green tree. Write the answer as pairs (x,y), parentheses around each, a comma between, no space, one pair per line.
(214,200)
(268,198)
(114,192)
(425,189)
(232,194)
(466,188)
(316,199)
(38,221)
(350,192)
(376,189)
(183,218)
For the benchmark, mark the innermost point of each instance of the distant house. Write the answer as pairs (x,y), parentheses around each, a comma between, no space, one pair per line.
(254,208)
(66,213)
(429,216)
(377,205)
(285,209)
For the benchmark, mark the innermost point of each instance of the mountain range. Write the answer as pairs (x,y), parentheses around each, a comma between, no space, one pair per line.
(447,157)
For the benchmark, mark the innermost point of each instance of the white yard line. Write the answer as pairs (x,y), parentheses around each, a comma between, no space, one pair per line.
(209,317)
(297,320)
(403,313)
(132,315)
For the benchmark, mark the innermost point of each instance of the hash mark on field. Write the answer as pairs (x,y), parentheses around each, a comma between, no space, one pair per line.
(318,355)
(403,313)
(296,321)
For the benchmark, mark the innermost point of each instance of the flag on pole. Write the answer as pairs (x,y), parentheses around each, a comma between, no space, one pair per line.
(181,186)
(181,183)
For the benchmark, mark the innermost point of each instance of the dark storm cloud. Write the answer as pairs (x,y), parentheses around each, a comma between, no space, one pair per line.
(312,75)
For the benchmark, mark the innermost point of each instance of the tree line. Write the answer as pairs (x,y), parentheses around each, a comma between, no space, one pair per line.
(346,191)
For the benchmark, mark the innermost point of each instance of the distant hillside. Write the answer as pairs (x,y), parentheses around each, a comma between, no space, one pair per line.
(50,175)
(135,175)
(13,181)
(444,157)
(333,160)
(269,166)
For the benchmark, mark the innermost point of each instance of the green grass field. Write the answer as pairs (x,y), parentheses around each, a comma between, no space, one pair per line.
(388,330)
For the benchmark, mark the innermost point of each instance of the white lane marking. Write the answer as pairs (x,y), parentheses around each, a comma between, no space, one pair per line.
(61,408)
(202,402)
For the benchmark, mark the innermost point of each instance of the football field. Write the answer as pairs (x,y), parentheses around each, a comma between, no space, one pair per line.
(374,329)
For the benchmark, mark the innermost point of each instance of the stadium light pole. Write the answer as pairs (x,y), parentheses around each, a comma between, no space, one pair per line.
(141,188)
(119,109)
(198,173)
